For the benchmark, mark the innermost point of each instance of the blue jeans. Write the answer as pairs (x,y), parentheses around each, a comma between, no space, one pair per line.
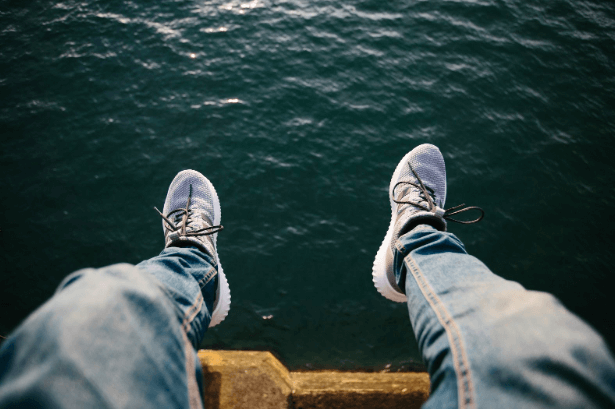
(120,336)
(490,343)
(123,336)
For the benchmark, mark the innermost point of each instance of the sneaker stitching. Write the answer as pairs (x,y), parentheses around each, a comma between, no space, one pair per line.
(192,312)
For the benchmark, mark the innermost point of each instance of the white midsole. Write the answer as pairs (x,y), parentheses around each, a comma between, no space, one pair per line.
(224,299)
(223,293)
(379,270)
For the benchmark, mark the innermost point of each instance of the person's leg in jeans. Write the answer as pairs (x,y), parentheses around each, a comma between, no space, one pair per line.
(125,336)
(487,342)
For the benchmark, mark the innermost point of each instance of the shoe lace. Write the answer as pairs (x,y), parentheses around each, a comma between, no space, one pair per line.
(428,195)
(184,219)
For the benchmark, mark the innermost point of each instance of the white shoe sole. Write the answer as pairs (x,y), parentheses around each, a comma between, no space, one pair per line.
(379,270)
(224,299)
(223,293)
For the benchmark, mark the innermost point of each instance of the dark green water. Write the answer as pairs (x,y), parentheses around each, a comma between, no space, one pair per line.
(298,112)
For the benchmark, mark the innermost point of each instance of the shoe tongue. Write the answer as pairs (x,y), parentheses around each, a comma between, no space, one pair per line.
(409,193)
(198,219)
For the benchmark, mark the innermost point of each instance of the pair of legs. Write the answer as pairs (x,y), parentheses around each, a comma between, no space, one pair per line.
(125,336)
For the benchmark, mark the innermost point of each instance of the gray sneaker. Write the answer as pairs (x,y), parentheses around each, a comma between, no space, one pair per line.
(191,215)
(417,193)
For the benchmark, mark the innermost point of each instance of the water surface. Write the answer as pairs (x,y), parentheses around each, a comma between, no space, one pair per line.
(298,112)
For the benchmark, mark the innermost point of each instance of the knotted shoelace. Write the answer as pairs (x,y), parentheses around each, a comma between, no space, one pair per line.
(428,195)
(186,220)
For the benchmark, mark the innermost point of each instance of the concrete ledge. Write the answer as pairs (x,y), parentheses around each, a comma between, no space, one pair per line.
(244,379)
(333,390)
(255,380)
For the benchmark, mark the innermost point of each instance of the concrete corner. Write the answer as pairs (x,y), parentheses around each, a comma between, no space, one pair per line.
(244,379)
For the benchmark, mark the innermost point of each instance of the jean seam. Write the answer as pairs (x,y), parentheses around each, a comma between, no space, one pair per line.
(194,395)
(207,278)
(400,247)
(460,359)
(192,312)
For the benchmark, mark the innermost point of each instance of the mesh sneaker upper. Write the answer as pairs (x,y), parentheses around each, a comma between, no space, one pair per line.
(428,163)
(417,194)
(180,189)
(204,212)
(191,215)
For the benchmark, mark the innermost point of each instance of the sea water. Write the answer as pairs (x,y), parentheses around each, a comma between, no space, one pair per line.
(298,112)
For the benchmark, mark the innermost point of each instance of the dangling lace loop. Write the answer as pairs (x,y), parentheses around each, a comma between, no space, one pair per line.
(453,210)
(428,195)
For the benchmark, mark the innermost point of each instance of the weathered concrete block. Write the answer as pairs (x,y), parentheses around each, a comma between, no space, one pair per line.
(244,379)
(257,380)
(337,390)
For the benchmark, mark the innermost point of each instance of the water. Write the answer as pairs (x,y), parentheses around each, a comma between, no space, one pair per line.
(298,112)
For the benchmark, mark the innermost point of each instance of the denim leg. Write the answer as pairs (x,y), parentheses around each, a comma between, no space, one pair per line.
(488,342)
(120,336)
(179,269)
